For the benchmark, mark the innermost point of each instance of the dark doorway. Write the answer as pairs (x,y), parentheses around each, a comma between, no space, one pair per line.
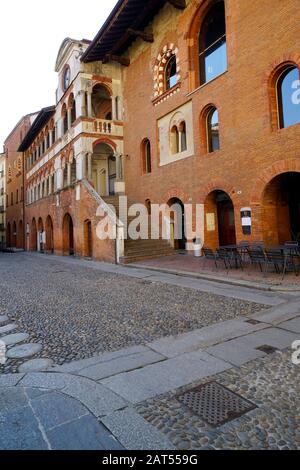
(14,235)
(177,216)
(226,220)
(68,236)
(8,236)
(88,239)
(49,235)
(281,209)
(112,174)
(33,244)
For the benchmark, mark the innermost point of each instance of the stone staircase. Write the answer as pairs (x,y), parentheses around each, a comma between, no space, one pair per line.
(138,250)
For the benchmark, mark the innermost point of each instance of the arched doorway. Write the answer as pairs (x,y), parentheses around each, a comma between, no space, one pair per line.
(33,244)
(14,235)
(281,209)
(220,220)
(8,235)
(20,243)
(88,239)
(177,225)
(41,236)
(101,102)
(68,236)
(49,243)
(103,171)
(112,174)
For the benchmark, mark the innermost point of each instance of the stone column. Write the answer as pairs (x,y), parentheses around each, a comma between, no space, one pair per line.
(50,138)
(118,166)
(89,105)
(50,189)
(69,112)
(114,108)
(89,175)
(69,175)
(59,179)
(81,104)
(81,166)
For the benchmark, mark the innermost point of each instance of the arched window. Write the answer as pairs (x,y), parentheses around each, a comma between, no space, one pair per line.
(288,106)
(73,110)
(171,73)
(101,101)
(174,140)
(146,156)
(182,137)
(212,43)
(64,116)
(213,138)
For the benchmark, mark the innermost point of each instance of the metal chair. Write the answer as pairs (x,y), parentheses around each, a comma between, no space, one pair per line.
(257,256)
(224,255)
(243,249)
(276,258)
(210,255)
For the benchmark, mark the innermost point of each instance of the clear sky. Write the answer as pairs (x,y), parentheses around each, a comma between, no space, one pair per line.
(31,33)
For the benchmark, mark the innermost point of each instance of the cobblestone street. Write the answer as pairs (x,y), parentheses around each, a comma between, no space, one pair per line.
(75,312)
(110,349)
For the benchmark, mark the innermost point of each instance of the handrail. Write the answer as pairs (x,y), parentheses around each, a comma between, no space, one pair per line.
(120,228)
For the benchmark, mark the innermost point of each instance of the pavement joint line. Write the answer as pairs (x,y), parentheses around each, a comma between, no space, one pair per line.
(40,426)
(88,412)
(114,359)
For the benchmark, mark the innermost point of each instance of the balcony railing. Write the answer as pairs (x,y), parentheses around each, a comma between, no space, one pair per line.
(102,126)
(2,209)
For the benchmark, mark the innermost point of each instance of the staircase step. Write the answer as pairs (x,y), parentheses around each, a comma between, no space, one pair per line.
(134,259)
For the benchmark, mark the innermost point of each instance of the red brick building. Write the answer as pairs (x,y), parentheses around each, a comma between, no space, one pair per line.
(207,95)
(15,183)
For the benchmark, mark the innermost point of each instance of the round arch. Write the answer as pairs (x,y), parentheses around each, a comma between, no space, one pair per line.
(20,239)
(33,237)
(283,166)
(49,244)
(14,235)
(219,210)
(68,235)
(8,235)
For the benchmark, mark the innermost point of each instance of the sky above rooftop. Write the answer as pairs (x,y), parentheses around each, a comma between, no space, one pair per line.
(31,33)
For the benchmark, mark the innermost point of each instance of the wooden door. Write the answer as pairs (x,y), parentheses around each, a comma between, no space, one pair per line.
(226,223)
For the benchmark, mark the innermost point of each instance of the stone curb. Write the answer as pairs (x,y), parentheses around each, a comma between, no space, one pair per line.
(221,280)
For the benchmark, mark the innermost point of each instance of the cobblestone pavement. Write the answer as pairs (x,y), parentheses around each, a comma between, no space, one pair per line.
(270,383)
(74,311)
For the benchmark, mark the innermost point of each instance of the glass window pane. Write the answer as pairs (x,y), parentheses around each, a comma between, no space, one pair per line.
(289,108)
(171,73)
(213,131)
(215,61)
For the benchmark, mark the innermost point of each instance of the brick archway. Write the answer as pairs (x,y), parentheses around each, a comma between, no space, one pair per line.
(215,185)
(175,194)
(283,166)
(105,140)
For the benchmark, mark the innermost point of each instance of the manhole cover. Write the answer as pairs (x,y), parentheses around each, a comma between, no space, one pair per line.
(267,349)
(215,404)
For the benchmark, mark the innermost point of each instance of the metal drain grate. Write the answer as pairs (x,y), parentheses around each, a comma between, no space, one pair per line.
(215,404)
(267,349)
